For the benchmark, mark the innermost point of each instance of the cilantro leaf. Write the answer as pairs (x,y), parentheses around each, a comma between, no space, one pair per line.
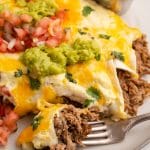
(18,73)
(104,36)
(87,10)
(87,102)
(34,83)
(82,32)
(118,55)
(70,78)
(94,92)
(36,122)
(98,57)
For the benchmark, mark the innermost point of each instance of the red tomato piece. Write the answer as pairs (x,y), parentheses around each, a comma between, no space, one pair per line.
(26,18)
(3,47)
(52,42)
(21,33)
(2,21)
(14,20)
(39,31)
(44,22)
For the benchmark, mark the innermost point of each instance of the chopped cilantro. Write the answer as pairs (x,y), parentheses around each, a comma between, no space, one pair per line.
(118,55)
(36,122)
(98,57)
(18,73)
(82,32)
(104,36)
(70,78)
(34,83)
(87,102)
(87,10)
(94,92)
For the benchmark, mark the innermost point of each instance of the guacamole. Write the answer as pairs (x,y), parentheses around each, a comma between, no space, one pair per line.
(39,63)
(37,8)
(43,61)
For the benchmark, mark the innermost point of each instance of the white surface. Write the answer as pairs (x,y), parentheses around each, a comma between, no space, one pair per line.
(138,16)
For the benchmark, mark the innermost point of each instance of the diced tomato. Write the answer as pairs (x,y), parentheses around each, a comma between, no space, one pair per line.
(26,18)
(52,42)
(1,40)
(19,46)
(2,22)
(26,28)
(1,122)
(10,121)
(44,23)
(7,123)
(8,28)
(28,42)
(39,31)
(3,47)
(20,33)
(4,133)
(6,15)
(15,20)
(2,110)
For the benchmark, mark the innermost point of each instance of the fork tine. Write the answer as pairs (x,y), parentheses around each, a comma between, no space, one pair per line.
(98,135)
(96,142)
(96,122)
(99,128)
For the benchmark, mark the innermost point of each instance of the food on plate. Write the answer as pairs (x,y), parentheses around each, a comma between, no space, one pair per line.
(67,63)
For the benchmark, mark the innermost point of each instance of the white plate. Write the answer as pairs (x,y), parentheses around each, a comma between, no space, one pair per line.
(138,15)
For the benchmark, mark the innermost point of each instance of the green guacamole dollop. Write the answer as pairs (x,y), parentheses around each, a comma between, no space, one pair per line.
(37,8)
(44,61)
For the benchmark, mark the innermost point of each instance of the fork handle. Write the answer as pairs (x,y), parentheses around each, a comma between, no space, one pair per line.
(136,120)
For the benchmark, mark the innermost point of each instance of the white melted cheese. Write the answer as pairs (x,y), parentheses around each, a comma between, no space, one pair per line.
(63,87)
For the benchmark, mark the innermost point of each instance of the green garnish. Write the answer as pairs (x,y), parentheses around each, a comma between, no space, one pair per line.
(94,92)
(82,32)
(98,57)
(118,55)
(104,36)
(18,73)
(87,102)
(36,122)
(87,10)
(70,78)
(34,83)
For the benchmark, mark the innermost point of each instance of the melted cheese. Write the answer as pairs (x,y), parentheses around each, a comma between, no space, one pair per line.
(73,11)
(45,134)
(22,95)
(10,63)
(26,136)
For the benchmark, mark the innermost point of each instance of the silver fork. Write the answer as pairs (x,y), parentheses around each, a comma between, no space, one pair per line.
(104,132)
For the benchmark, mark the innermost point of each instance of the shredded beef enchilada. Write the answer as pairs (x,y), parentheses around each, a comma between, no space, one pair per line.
(66,63)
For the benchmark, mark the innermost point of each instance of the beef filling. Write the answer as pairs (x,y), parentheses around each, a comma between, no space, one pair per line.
(136,90)
(143,56)
(70,128)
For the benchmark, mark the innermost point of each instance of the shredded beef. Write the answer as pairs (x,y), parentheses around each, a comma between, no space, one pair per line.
(70,128)
(143,55)
(136,90)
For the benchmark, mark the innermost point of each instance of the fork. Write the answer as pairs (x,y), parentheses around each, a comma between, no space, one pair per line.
(104,132)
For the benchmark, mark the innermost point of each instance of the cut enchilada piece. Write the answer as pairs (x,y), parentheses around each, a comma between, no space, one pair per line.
(58,124)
